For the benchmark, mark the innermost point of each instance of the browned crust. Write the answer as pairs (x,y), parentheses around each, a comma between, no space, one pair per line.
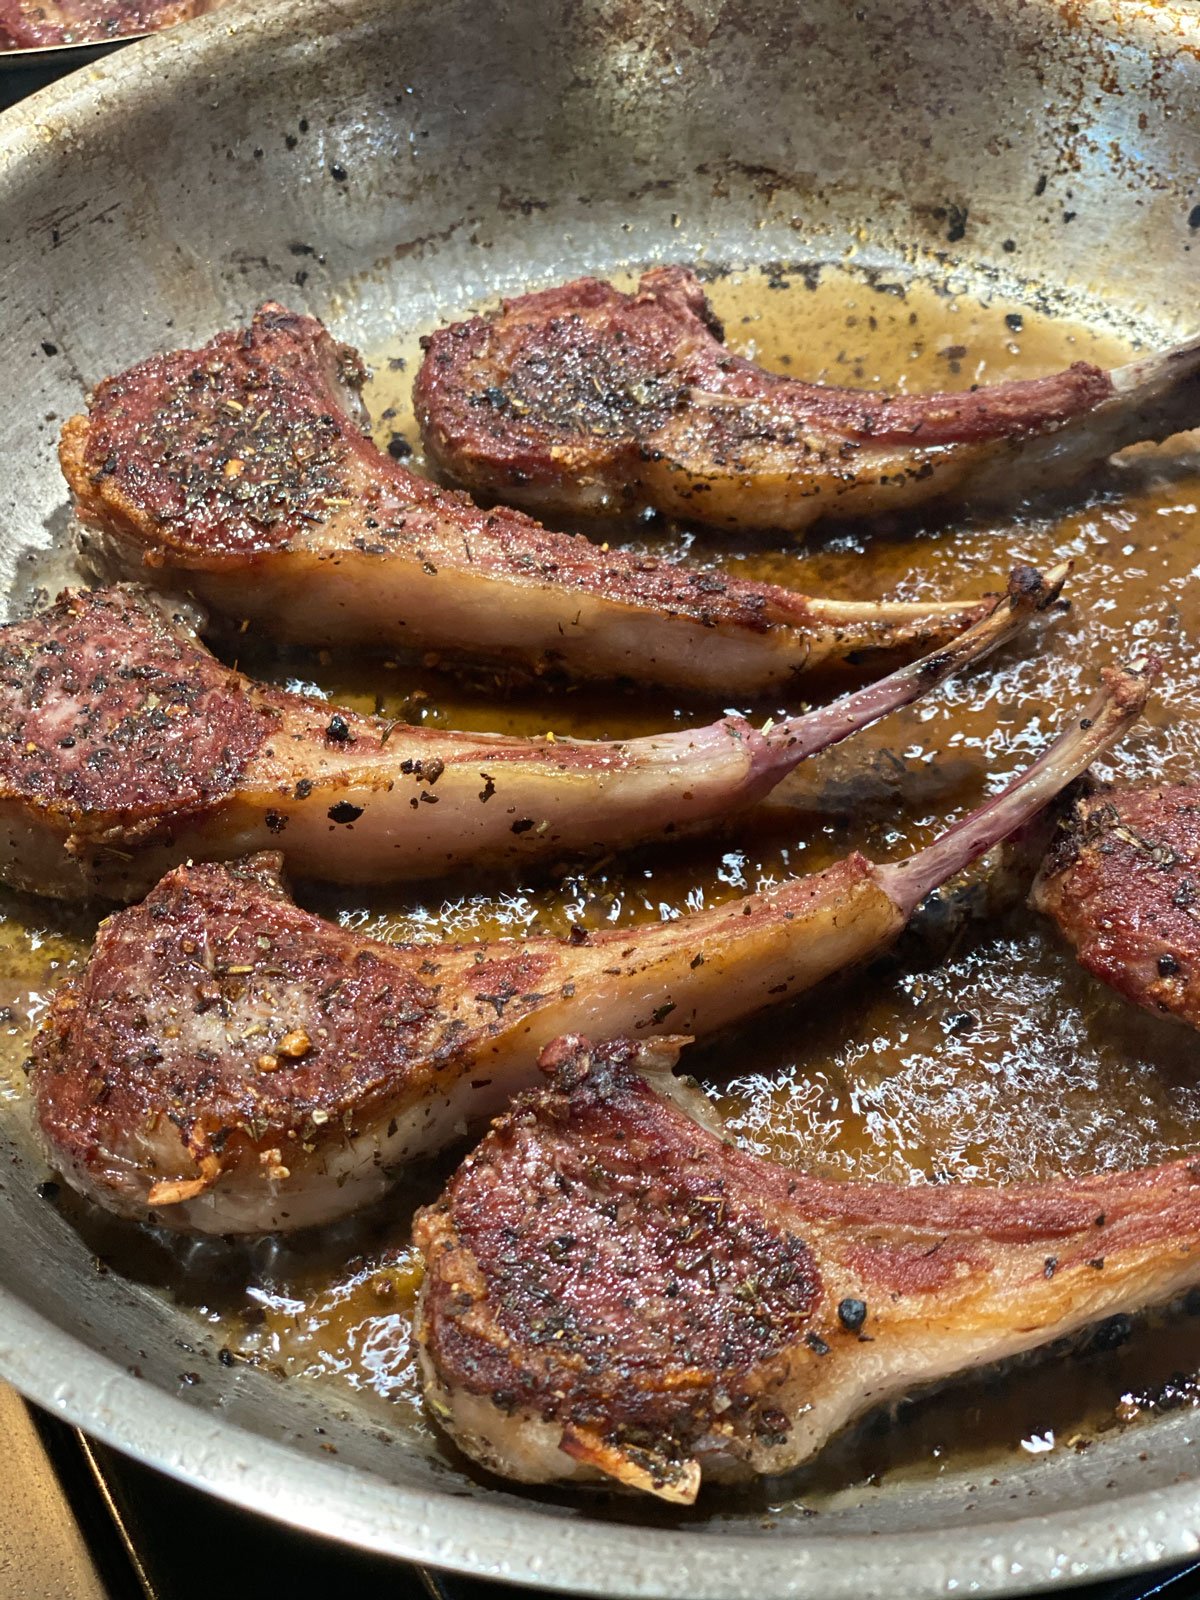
(582,1272)
(603,1265)
(224,456)
(231,450)
(1122,882)
(112,715)
(38,24)
(168,1057)
(582,379)
(252,448)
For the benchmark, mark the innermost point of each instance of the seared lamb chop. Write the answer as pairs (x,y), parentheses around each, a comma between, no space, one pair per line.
(1122,882)
(37,24)
(616,1293)
(585,399)
(125,746)
(231,1063)
(243,472)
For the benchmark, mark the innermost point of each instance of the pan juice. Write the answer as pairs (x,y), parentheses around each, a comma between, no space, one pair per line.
(978,1052)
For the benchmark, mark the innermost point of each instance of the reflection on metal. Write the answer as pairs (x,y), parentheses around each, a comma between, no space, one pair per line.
(123,1532)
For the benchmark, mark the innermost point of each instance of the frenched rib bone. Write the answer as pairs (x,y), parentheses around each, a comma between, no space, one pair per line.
(615,1293)
(232,1063)
(243,473)
(585,399)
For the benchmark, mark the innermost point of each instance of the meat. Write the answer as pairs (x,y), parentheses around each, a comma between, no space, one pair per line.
(1122,882)
(584,399)
(125,746)
(230,1063)
(242,473)
(616,1293)
(38,24)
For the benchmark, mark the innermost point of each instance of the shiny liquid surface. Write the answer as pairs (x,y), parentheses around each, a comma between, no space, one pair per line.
(977,1052)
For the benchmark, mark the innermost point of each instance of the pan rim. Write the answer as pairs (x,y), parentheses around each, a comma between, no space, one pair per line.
(1130,1534)
(352,1505)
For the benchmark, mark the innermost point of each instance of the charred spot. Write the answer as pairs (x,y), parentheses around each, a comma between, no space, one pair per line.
(773,1426)
(1111,1334)
(492,396)
(852,1313)
(344,812)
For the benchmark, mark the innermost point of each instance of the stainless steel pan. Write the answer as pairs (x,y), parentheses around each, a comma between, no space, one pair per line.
(430,156)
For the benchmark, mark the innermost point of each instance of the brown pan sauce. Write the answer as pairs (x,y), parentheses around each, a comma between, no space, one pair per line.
(978,1053)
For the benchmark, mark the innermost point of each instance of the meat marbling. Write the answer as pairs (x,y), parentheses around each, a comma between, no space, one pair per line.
(585,399)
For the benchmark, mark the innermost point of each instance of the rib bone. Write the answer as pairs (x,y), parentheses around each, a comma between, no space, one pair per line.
(125,747)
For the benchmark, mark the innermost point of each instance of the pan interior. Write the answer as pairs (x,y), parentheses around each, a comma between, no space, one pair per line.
(876,197)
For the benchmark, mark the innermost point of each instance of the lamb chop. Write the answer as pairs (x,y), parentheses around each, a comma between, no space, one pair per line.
(125,746)
(243,473)
(1122,883)
(229,1063)
(584,399)
(616,1293)
(38,24)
